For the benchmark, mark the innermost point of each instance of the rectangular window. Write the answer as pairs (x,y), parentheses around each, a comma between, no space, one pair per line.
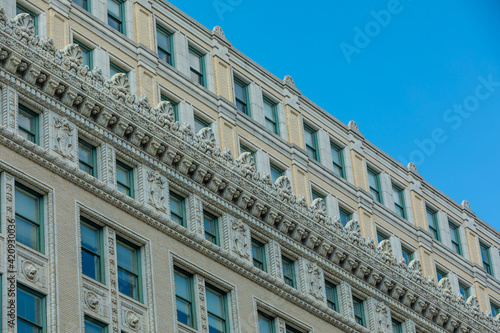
(455,238)
(197,66)
(485,255)
(345,216)
(245,149)
(337,159)
(276,172)
(316,195)
(271,115)
(381,236)
(495,309)
(217,310)
(464,290)
(29,217)
(359,310)
(266,323)
(28,124)
(211,228)
(115,69)
(433,223)
(86,53)
(259,255)
(177,209)
(164,45)
(290,329)
(331,296)
(85,4)
(241,96)
(374,183)
(129,268)
(30,310)
(200,123)
(311,141)
(288,271)
(95,326)
(184,295)
(399,201)
(116,15)
(397,326)
(91,242)
(23,10)
(125,179)
(440,274)
(87,156)
(175,106)
(407,254)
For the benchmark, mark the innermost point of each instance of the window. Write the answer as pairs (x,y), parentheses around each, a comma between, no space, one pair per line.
(345,216)
(29,217)
(316,195)
(28,124)
(464,290)
(116,15)
(259,255)
(30,310)
(331,296)
(359,311)
(374,183)
(397,326)
(495,309)
(407,254)
(266,323)
(337,159)
(23,10)
(311,141)
(175,106)
(241,96)
(455,238)
(433,224)
(217,310)
(177,209)
(86,53)
(199,124)
(211,228)
(381,236)
(164,44)
(399,201)
(94,326)
(125,179)
(197,66)
(115,69)
(92,261)
(245,149)
(440,274)
(485,255)
(184,295)
(85,4)
(271,115)
(290,329)
(129,268)
(276,172)
(87,156)
(288,271)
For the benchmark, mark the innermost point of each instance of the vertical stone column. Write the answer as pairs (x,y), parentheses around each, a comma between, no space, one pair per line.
(202,317)
(10,8)
(325,154)
(108,165)
(463,243)
(444,229)
(100,9)
(386,187)
(332,206)
(262,161)
(346,300)
(495,261)
(275,265)
(453,278)
(8,215)
(408,206)
(280,110)
(410,326)
(9,107)
(181,53)
(396,246)
(186,113)
(196,215)
(113,280)
(256,103)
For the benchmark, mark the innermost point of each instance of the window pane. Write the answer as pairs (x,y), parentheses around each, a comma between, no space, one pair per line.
(216,325)
(215,303)
(114,8)
(27,205)
(122,175)
(269,110)
(163,40)
(27,233)
(265,324)
(308,138)
(182,286)
(396,193)
(92,327)
(344,217)
(29,306)
(90,238)
(26,120)
(127,257)
(239,91)
(183,312)
(127,283)
(195,61)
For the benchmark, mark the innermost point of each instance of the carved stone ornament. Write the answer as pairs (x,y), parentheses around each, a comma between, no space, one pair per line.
(218,31)
(205,140)
(64,137)
(246,163)
(30,271)
(240,238)
(353,126)
(412,167)
(315,280)
(73,56)
(156,190)
(120,82)
(383,318)
(163,114)
(288,80)
(92,301)
(466,205)
(133,321)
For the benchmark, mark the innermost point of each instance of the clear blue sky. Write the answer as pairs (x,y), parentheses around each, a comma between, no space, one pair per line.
(407,80)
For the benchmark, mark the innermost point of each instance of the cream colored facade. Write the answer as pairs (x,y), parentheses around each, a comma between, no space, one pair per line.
(117,117)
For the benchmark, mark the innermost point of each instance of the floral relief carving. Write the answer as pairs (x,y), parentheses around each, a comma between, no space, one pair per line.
(64,137)
(156,190)
(383,318)
(240,234)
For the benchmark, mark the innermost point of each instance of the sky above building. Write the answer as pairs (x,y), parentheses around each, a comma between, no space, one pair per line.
(421,78)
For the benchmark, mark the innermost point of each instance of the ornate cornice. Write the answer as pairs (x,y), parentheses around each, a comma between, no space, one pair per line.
(33,66)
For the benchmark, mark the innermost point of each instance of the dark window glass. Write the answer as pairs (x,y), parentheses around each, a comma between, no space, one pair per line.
(28,124)
(337,159)
(211,228)
(94,326)
(29,217)
(129,268)
(331,296)
(433,224)
(91,238)
(184,298)
(197,66)
(374,182)
(266,323)
(397,326)
(241,96)
(407,254)
(359,311)
(177,209)
(288,271)
(115,69)
(116,11)
(276,172)
(345,216)
(30,311)
(87,155)
(125,179)
(199,124)
(440,274)
(455,238)
(399,201)
(271,116)
(259,254)
(86,52)
(464,290)
(216,310)
(164,44)
(311,141)
(485,255)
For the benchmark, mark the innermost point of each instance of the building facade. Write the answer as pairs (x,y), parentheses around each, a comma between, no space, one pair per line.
(155,179)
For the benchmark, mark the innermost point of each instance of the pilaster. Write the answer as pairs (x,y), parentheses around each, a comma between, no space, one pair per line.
(196,215)
(396,246)
(9,108)
(256,105)
(181,53)
(275,264)
(409,326)
(108,165)
(325,154)
(280,109)
(444,229)
(346,300)
(332,205)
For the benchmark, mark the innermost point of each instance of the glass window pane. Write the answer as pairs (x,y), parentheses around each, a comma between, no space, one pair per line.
(372,180)
(93,327)
(215,303)
(195,61)
(26,120)
(114,8)
(182,286)
(127,283)
(216,325)
(123,175)
(269,110)
(396,193)
(29,306)
(90,265)
(163,40)
(27,233)
(265,324)
(308,138)
(90,238)
(27,205)
(127,257)
(183,311)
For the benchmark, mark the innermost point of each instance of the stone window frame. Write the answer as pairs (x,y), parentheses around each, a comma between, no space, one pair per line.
(281,317)
(201,277)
